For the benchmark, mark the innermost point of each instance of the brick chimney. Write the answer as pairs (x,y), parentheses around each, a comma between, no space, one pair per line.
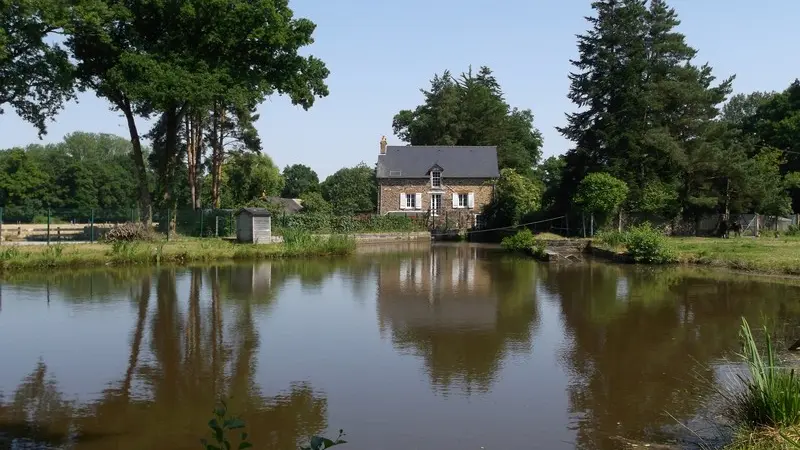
(383,145)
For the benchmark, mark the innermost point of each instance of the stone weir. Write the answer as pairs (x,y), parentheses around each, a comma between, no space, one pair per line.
(566,249)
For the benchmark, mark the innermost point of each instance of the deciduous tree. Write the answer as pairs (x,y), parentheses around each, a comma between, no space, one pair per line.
(300,180)
(250,177)
(351,190)
(36,77)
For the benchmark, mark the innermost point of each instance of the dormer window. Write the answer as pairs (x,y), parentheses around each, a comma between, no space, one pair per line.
(436,178)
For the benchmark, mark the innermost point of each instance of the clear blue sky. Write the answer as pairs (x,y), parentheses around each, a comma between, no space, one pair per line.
(381,53)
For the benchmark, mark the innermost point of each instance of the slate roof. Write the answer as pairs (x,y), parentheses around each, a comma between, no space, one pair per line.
(289,205)
(414,161)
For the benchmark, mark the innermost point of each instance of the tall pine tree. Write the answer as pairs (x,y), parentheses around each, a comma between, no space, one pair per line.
(642,103)
(472,110)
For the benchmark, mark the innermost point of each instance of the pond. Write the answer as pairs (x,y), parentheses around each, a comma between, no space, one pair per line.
(429,347)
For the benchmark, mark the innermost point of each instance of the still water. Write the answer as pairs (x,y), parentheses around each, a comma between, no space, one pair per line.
(419,347)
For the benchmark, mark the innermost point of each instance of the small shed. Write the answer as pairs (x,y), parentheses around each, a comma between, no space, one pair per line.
(254,226)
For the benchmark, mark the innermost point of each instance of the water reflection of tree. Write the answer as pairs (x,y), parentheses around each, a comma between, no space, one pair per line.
(181,361)
(80,285)
(463,327)
(37,410)
(642,338)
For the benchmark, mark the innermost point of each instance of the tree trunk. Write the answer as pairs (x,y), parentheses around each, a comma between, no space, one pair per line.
(217,153)
(145,205)
(172,119)
(727,199)
(190,158)
(193,124)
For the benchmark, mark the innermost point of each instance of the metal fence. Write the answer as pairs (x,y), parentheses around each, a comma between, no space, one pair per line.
(70,225)
(65,225)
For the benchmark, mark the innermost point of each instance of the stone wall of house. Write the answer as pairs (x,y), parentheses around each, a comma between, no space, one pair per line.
(389,191)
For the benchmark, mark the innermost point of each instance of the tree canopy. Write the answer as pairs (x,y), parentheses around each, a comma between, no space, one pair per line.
(84,172)
(351,190)
(644,105)
(250,177)
(300,179)
(515,196)
(472,110)
(601,193)
(36,77)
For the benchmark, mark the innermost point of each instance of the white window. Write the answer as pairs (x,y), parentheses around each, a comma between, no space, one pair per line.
(464,200)
(436,204)
(411,201)
(436,179)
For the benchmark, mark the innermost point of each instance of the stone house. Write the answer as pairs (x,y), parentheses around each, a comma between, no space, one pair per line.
(446,183)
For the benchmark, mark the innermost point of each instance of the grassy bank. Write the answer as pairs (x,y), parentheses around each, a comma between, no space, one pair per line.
(779,256)
(161,252)
(767,255)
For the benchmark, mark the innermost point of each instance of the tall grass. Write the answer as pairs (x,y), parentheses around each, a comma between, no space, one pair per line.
(771,395)
(121,253)
(766,407)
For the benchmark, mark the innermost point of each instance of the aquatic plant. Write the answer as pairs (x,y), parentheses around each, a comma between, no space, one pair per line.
(223,426)
(765,405)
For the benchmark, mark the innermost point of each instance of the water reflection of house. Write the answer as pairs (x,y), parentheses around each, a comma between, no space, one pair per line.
(460,312)
(449,287)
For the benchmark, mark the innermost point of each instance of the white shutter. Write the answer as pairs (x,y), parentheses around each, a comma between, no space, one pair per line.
(418,203)
(455,200)
(471,200)
(402,201)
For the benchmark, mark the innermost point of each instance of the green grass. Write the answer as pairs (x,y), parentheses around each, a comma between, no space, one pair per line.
(181,251)
(764,407)
(778,256)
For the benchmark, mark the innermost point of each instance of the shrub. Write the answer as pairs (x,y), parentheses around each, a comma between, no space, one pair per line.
(645,244)
(770,397)
(794,230)
(523,241)
(130,231)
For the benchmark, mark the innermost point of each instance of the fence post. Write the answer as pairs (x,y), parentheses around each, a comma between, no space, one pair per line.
(48,226)
(201,222)
(216,226)
(91,228)
(169,222)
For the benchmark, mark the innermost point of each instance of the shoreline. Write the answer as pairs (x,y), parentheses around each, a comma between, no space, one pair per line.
(183,251)
(739,265)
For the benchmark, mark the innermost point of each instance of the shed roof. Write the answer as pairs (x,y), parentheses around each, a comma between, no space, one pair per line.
(255,212)
(416,161)
(289,205)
